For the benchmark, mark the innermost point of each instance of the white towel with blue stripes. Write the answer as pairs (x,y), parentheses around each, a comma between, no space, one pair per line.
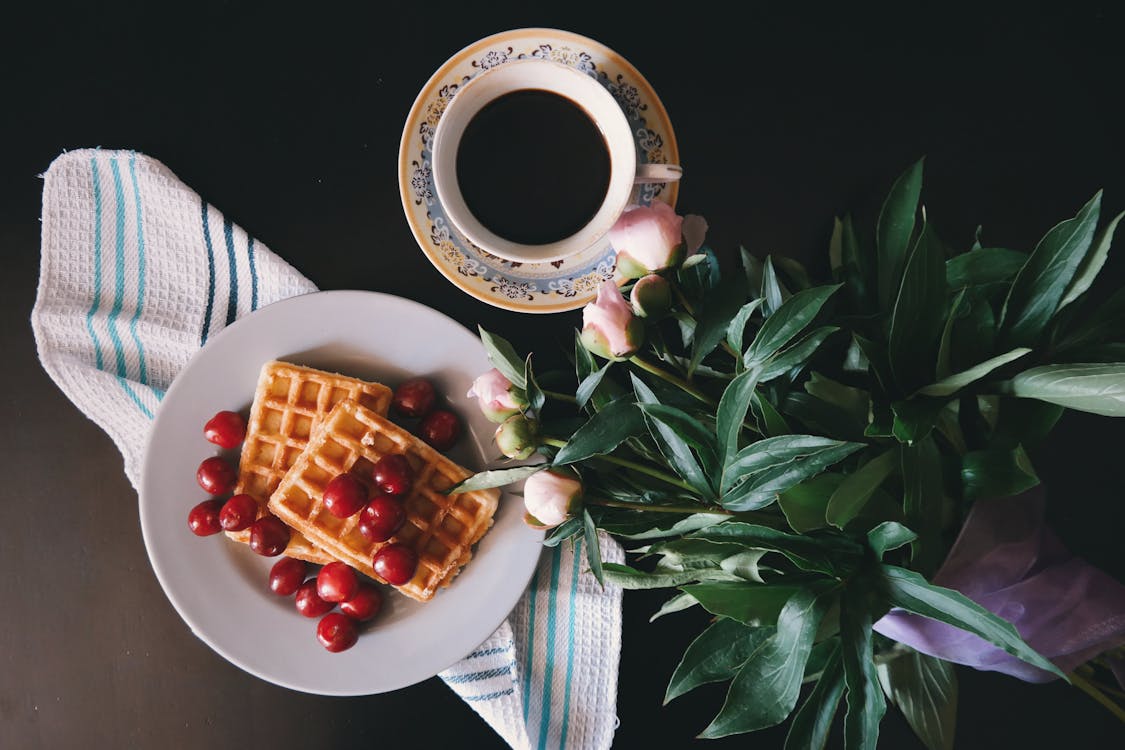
(137,271)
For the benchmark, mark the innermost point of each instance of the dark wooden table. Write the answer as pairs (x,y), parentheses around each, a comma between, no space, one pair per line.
(288,119)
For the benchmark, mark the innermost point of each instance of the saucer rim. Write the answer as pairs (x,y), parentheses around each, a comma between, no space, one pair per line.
(653,101)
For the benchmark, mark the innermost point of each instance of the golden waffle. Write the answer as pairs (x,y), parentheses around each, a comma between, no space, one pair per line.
(290,402)
(440,528)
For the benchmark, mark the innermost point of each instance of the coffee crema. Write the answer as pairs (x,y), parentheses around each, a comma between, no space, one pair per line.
(533,167)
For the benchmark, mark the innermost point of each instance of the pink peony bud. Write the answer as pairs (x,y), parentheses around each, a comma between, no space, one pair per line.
(647,239)
(609,328)
(551,497)
(517,437)
(497,397)
(651,296)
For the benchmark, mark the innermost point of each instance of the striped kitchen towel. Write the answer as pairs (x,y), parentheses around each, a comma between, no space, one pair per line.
(137,272)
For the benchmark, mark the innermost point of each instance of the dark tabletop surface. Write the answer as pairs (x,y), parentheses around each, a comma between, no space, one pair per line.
(288,119)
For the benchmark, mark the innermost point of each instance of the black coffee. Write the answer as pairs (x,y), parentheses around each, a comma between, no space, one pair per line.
(533,167)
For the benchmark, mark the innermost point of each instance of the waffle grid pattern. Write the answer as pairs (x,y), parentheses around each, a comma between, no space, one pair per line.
(290,402)
(440,528)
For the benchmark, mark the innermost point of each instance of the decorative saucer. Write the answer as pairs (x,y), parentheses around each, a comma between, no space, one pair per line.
(525,287)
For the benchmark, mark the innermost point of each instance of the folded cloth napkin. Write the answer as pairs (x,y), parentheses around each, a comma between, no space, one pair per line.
(137,272)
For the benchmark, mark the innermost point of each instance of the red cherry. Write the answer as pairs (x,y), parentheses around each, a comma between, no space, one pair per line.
(364,604)
(309,602)
(381,518)
(395,563)
(344,496)
(393,475)
(226,429)
(216,476)
(441,429)
(238,513)
(414,398)
(269,536)
(336,582)
(337,632)
(286,576)
(203,519)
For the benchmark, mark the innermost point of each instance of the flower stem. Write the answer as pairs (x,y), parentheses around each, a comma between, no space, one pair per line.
(1085,686)
(560,396)
(673,379)
(627,464)
(657,508)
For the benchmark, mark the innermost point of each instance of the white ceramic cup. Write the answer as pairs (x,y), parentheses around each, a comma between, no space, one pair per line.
(597,103)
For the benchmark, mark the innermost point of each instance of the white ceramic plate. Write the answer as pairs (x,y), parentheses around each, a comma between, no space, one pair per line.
(220,588)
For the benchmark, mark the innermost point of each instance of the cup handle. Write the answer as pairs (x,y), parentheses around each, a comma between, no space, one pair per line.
(652,173)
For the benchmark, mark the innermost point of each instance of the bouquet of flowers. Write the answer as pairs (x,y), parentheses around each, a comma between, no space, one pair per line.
(837,472)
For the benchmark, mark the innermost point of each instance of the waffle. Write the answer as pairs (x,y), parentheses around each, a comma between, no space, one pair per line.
(440,528)
(289,403)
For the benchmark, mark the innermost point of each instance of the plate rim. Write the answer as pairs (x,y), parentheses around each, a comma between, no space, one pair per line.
(436,78)
(145,511)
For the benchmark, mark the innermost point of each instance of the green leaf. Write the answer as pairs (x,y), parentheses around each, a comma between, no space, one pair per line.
(804,505)
(821,416)
(945,353)
(918,314)
(922,500)
(682,526)
(794,270)
(773,293)
(699,274)
(796,355)
(731,412)
(950,385)
(766,687)
(688,429)
(770,422)
(925,690)
(865,700)
(855,272)
(856,489)
(794,315)
(1106,323)
(815,554)
(854,401)
(503,357)
(760,488)
(1043,281)
(887,536)
(721,305)
(715,655)
(984,266)
(1092,264)
(770,453)
(590,384)
(974,332)
(753,268)
(677,603)
(571,527)
(737,328)
(1094,388)
(813,721)
(605,431)
(497,478)
(910,591)
(915,418)
(894,230)
(584,364)
(996,473)
(535,395)
(593,549)
(752,604)
(1024,422)
(675,448)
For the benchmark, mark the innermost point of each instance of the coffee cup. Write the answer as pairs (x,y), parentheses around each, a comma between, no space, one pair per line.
(534,161)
